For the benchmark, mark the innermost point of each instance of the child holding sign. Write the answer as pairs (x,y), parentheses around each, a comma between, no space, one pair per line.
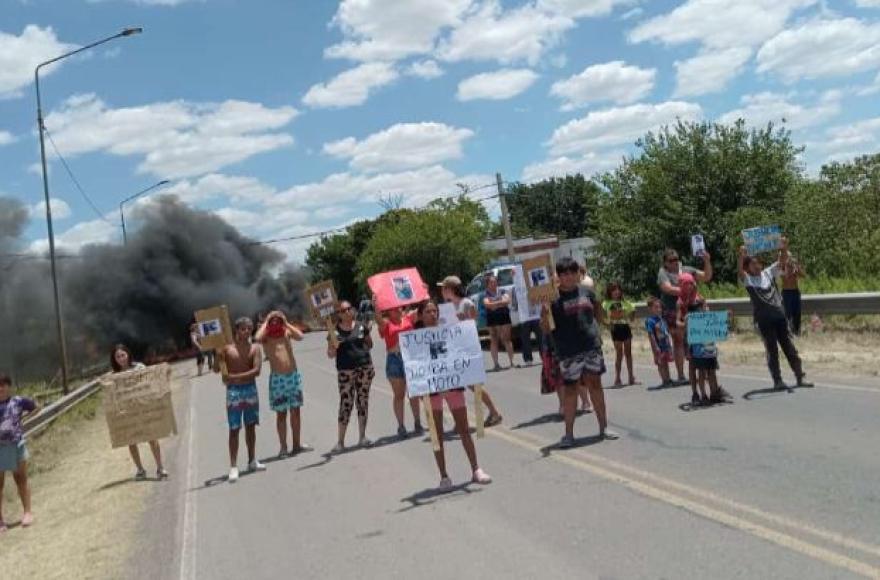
(455,400)
(13,452)
(702,358)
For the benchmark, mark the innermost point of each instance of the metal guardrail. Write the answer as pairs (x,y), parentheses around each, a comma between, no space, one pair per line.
(44,418)
(821,304)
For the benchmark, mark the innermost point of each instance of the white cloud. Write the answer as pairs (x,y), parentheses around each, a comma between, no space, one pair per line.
(417,186)
(847,141)
(151,2)
(6,138)
(871,89)
(561,166)
(388,30)
(82,234)
(425,69)
(611,81)
(762,108)
(352,87)
(709,72)
(20,55)
(633,13)
(868,3)
(581,8)
(522,34)
(177,138)
(60,209)
(219,186)
(402,146)
(617,126)
(499,85)
(822,48)
(719,23)
(241,219)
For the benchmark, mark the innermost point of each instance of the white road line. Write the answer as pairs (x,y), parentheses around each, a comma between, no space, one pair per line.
(188,540)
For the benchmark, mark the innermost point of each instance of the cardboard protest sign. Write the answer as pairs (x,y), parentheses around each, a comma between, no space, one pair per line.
(698,245)
(706,327)
(538,272)
(213,327)
(398,288)
(138,407)
(763,239)
(321,298)
(448,315)
(442,358)
(525,310)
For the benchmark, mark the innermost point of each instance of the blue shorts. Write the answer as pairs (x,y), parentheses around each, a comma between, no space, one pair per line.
(285,391)
(12,454)
(394,366)
(242,404)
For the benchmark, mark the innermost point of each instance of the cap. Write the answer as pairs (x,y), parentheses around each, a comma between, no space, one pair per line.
(450,281)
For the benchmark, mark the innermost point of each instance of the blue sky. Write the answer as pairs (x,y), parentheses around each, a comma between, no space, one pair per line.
(289,117)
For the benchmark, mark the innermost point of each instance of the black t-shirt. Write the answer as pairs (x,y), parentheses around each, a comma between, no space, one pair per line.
(577,330)
(353,351)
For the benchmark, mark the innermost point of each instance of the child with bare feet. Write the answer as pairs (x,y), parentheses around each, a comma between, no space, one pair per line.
(13,451)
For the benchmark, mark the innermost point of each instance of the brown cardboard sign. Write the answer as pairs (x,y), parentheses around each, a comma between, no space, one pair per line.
(538,272)
(322,299)
(138,406)
(213,327)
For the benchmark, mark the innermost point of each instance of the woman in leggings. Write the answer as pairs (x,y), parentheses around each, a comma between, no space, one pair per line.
(354,367)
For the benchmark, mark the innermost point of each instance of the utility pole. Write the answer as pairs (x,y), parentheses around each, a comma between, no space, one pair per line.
(505,218)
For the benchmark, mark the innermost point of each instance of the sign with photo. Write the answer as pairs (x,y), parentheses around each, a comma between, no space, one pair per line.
(763,239)
(398,288)
(698,245)
(448,315)
(138,406)
(213,327)
(538,273)
(706,327)
(525,310)
(322,299)
(442,358)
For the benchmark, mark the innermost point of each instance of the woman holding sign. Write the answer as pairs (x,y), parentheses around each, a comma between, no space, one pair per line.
(121,361)
(465,309)
(455,400)
(390,329)
(354,367)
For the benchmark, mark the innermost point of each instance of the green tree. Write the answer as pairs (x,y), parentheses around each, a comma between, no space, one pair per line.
(565,207)
(690,178)
(437,241)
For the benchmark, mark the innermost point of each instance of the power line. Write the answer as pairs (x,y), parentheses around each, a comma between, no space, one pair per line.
(74,179)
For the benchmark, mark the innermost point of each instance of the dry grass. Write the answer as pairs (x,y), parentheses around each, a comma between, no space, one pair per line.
(86,518)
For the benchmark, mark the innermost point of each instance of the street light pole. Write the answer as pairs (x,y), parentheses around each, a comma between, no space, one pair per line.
(135,196)
(59,320)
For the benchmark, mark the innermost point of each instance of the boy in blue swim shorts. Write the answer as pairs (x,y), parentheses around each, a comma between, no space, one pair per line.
(240,364)
(285,382)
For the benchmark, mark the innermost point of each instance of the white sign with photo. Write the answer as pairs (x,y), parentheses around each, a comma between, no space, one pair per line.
(442,358)
(524,309)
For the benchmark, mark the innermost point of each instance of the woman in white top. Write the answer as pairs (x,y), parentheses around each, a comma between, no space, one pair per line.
(453,292)
(121,361)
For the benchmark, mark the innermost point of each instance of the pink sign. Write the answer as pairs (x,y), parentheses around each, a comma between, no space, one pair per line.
(398,288)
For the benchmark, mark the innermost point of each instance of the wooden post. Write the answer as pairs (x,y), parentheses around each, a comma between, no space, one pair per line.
(478,410)
(432,425)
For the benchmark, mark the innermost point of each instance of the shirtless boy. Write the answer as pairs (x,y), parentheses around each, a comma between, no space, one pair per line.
(243,361)
(285,381)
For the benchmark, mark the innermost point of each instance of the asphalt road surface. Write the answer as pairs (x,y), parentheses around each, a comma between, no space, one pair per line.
(775,485)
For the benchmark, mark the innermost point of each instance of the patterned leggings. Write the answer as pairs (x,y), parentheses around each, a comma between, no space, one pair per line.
(354,389)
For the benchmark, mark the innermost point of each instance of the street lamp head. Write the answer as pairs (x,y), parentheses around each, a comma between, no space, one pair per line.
(130,31)
(163,182)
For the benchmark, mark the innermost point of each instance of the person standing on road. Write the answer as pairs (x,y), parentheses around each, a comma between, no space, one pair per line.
(497,304)
(243,361)
(285,381)
(577,314)
(791,293)
(355,372)
(667,279)
(702,358)
(661,340)
(390,329)
(620,313)
(455,400)
(14,454)
(122,361)
(453,292)
(769,314)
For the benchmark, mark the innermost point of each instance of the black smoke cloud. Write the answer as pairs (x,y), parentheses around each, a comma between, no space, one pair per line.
(179,260)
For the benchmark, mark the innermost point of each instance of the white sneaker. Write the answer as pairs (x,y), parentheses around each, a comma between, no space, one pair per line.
(233,475)
(256,466)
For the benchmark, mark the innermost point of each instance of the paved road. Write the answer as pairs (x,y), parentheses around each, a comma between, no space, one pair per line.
(776,485)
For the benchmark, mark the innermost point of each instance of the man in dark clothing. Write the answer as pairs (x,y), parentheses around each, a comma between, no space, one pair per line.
(769,314)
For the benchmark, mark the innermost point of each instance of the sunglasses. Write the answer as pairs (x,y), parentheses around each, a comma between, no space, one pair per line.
(342,310)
